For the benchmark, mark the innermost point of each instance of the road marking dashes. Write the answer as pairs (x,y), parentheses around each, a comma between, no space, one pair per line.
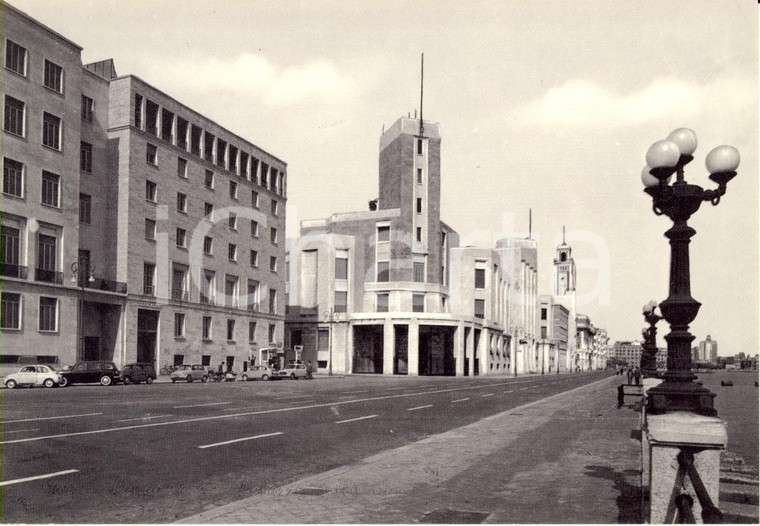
(523,389)
(49,418)
(419,407)
(38,477)
(302,402)
(21,431)
(483,396)
(460,400)
(512,391)
(355,419)
(144,418)
(240,440)
(201,405)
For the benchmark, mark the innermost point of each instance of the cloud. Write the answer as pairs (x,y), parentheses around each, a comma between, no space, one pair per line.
(249,74)
(581,103)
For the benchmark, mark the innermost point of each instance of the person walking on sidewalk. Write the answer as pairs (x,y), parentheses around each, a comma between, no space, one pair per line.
(620,395)
(629,373)
(309,370)
(637,375)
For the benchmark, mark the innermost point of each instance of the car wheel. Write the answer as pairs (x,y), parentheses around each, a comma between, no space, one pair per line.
(49,382)
(11,384)
(105,380)
(204,379)
(293,376)
(244,377)
(149,380)
(265,377)
(127,380)
(64,382)
(189,378)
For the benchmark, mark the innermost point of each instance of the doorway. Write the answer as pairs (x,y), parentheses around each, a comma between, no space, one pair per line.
(147,335)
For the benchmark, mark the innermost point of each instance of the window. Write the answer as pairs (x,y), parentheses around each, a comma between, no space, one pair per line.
(179,325)
(208,211)
(272,301)
(254,228)
(419,175)
(383,271)
(272,329)
(251,331)
(233,190)
(418,270)
(51,131)
(151,117)
(149,279)
(543,313)
(205,360)
(418,303)
(221,152)
(195,139)
(273,235)
(273,263)
(181,203)
(208,290)
(232,163)
(419,205)
(10,312)
(230,330)
(419,146)
(341,301)
(480,308)
(274,207)
(181,238)
(48,314)
(265,175)
(232,221)
(418,234)
(207,327)
(543,333)
(383,233)
(11,251)
(53,76)
(85,209)
(47,257)
(150,229)
(244,164)
(150,191)
(341,264)
(13,177)
(152,154)
(14,116)
(253,295)
(209,179)
(88,108)
(182,167)
(254,199)
(480,278)
(85,157)
(232,252)
(231,291)
(208,147)
(182,126)
(254,258)
(15,57)
(382,302)
(138,111)
(208,245)
(167,123)
(179,282)
(51,189)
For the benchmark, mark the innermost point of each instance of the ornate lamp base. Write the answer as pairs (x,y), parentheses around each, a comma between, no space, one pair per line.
(680,396)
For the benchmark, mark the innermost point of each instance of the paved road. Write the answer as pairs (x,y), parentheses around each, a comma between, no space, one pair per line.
(166,451)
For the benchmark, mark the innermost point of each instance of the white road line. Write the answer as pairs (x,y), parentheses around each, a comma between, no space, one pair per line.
(523,389)
(460,400)
(200,405)
(144,418)
(394,388)
(348,396)
(293,397)
(352,392)
(355,419)
(21,431)
(240,440)
(534,387)
(38,477)
(419,407)
(235,409)
(302,402)
(49,418)
(512,391)
(483,396)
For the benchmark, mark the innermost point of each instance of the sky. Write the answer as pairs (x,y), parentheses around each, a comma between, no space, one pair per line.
(544,105)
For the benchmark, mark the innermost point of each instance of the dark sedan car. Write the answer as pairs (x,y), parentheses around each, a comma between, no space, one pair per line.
(134,373)
(104,373)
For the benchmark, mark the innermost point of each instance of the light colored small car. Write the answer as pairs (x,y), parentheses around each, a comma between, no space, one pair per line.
(294,371)
(31,375)
(259,372)
(189,373)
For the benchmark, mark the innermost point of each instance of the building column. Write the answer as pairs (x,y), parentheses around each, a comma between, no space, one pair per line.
(389,344)
(459,349)
(414,347)
(470,350)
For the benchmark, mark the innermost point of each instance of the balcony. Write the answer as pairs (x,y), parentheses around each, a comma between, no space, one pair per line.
(179,295)
(48,276)
(205,299)
(12,271)
(254,307)
(149,290)
(106,285)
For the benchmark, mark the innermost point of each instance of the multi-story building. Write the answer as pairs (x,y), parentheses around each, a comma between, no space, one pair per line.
(708,351)
(563,293)
(159,239)
(388,291)
(629,352)
(553,333)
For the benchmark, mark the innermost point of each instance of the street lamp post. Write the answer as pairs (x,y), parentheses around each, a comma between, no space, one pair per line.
(649,348)
(76,267)
(679,201)
(331,317)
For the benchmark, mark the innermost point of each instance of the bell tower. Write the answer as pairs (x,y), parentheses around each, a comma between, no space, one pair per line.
(564,269)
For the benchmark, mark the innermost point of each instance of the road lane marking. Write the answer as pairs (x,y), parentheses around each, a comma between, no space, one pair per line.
(240,440)
(302,402)
(534,387)
(523,389)
(261,412)
(352,392)
(293,397)
(200,405)
(21,430)
(419,407)
(483,396)
(394,388)
(355,419)
(512,391)
(460,400)
(144,418)
(348,396)
(38,477)
(49,418)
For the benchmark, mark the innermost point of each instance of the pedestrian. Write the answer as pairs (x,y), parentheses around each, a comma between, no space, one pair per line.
(309,370)
(629,373)
(621,395)
(637,375)
(221,368)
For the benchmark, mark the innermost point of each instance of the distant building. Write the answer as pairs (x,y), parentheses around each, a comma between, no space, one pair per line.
(629,352)
(708,351)
(662,358)
(553,332)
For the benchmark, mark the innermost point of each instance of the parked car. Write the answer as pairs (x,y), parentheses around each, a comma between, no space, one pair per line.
(138,372)
(189,373)
(34,375)
(259,372)
(294,371)
(91,372)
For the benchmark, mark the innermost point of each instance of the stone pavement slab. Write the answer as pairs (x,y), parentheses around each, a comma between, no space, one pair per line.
(569,458)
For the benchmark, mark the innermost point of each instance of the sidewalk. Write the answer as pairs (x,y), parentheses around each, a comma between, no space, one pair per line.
(569,458)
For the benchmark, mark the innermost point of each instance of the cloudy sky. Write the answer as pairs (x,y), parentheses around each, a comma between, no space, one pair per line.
(549,105)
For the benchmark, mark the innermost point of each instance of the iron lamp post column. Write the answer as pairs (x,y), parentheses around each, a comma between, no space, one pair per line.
(679,201)
(649,348)
(76,267)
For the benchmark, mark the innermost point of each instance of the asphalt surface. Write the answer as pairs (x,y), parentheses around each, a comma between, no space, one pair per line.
(162,452)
